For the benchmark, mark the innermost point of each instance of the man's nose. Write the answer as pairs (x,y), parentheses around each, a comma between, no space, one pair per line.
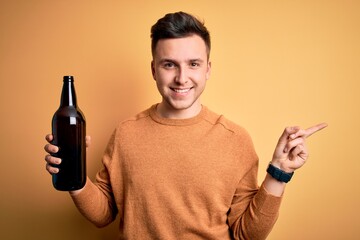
(181,76)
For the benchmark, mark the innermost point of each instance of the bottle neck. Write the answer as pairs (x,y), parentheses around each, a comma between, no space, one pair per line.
(68,95)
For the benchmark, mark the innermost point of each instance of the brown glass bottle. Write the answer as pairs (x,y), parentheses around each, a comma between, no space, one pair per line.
(69,130)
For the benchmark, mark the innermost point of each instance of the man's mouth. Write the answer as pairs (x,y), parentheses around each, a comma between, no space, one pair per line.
(181,90)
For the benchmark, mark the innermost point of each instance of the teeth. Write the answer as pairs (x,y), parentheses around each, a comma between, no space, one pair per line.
(181,90)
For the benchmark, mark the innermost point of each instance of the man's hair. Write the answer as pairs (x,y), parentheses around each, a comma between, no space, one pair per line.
(178,25)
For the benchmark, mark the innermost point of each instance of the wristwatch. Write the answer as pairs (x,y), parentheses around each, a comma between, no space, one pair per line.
(279,174)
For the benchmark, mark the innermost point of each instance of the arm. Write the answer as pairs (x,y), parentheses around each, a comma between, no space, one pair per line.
(95,202)
(254,210)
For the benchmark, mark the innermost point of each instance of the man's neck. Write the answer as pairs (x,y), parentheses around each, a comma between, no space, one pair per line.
(168,112)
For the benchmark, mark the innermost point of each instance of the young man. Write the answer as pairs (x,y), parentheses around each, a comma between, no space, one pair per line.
(178,170)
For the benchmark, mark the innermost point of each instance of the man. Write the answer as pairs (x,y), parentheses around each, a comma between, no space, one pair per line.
(178,170)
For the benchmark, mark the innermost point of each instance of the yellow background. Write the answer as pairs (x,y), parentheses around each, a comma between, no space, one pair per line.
(275,63)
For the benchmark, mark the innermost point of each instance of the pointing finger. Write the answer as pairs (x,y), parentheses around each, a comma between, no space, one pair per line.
(311,130)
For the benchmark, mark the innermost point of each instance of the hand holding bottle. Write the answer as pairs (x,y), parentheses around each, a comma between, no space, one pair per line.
(51,161)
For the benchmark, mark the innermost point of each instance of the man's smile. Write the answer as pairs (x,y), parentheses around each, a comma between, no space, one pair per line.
(181,90)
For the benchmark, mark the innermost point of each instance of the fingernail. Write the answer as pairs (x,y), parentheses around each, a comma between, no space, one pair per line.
(285,150)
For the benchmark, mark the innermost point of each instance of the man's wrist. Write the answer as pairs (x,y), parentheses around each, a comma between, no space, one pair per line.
(279,174)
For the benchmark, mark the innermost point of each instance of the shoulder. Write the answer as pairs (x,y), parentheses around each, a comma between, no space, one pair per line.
(233,136)
(133,124)
(226,124)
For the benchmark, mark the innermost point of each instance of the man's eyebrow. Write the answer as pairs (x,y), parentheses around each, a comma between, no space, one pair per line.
(164,60)
(196,60)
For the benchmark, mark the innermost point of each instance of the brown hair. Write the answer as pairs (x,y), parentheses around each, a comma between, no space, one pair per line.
(179,25)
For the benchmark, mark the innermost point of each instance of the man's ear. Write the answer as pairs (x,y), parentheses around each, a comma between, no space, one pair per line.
(153,70)
(208,72)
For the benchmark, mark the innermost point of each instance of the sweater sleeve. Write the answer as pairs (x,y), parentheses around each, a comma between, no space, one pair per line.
(253,211)
(257,219)
(96,200)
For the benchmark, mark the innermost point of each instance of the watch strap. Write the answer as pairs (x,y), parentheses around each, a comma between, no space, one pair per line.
(279,174)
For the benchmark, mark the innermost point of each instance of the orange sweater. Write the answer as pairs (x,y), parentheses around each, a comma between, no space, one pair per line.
(180,179)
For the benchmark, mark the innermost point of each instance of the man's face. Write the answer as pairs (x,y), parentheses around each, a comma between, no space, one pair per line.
(180,68)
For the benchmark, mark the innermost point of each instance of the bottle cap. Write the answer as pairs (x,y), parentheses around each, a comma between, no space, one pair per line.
(68,78)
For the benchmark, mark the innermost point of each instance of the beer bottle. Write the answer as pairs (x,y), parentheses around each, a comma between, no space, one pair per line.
(69,130)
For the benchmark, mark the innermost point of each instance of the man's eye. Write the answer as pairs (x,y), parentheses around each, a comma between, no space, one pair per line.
(169,65)
(194,64)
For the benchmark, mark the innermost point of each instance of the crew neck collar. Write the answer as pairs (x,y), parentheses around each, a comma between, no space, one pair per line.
(177,122)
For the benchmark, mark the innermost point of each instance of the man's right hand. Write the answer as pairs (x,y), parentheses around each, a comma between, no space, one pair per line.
(52,161)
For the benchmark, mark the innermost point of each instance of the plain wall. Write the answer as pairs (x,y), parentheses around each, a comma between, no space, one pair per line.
(274,64)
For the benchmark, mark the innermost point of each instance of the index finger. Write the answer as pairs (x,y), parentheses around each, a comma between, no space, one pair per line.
(49,137)
(311,130)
